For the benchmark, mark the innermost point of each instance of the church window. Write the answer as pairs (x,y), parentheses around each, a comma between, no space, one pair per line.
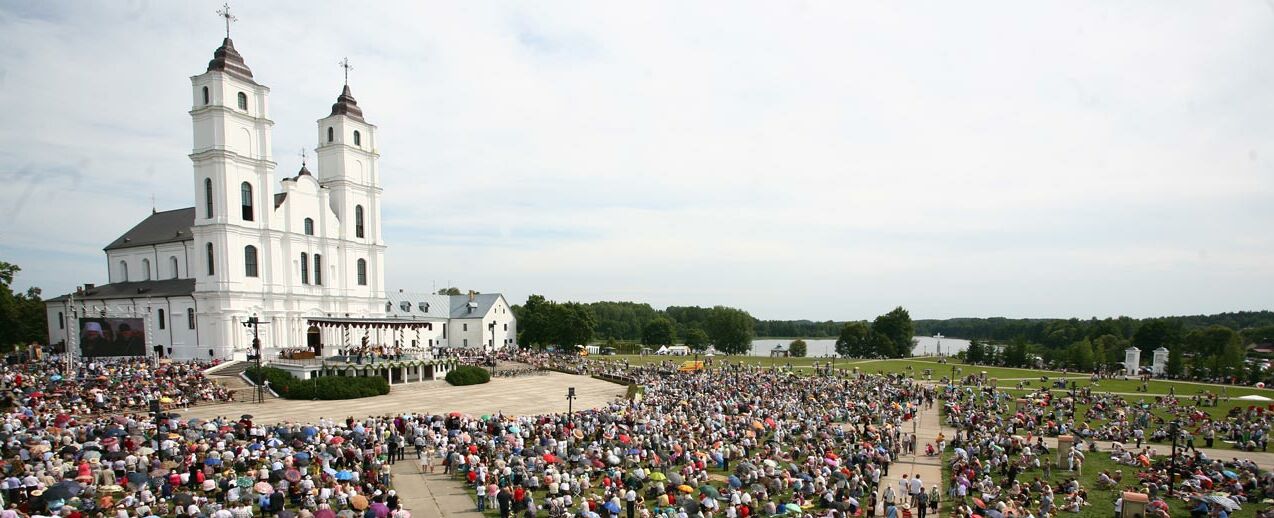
(318,270)
(331,135)
(172,265)
(123,271)
(145,269)
(61,321)
(389,306)
(205,96)
(444,330)
(162,324)
(309,227)
(207,197)
(305,268)
(362,275)
(424,306)
(190,318)
(358,221)
(358,141)
(466,327)
(245,195)
(211,268)
(243,101)
(250,261)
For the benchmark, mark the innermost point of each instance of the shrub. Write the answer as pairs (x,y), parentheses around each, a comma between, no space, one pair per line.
(468,375)
(326,387)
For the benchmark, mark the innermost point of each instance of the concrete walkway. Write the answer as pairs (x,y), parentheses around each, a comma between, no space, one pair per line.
(432,495)
(928,423)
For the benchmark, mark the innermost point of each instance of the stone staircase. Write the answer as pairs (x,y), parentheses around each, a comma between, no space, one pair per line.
(228,376)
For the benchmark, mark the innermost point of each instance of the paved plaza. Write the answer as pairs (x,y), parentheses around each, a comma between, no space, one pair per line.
(535,394)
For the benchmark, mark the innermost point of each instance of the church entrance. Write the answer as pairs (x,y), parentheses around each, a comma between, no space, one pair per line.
(314,340)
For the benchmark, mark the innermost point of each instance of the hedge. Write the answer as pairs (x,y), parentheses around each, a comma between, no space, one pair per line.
(468,375)
(326,387)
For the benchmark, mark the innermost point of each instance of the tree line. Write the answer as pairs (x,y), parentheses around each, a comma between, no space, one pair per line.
(22,315)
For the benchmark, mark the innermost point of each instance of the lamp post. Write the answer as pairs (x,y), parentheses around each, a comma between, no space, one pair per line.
(1175,430)
(491,328)
(570,401)
(255,323)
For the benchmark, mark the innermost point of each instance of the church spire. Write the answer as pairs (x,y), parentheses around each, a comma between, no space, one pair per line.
(226,58)
(345,103)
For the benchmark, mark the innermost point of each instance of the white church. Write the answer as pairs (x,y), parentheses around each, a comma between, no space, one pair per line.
(304,253)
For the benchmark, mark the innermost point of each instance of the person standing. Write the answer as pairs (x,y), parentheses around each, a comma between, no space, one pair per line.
(631,498)
(505,500)
(921,503)
(917,491)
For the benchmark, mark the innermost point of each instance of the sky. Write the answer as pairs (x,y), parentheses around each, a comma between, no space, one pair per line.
(819,160)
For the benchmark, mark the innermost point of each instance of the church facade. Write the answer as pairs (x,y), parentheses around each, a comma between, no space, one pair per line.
(292,252)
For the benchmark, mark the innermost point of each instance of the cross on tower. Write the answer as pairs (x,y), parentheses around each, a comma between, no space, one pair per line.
(302,157)
(225,13)
(345,65)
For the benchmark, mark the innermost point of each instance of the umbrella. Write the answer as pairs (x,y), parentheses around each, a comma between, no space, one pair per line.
(344,475)
(337,440)
(735,482)
(612,506)
(212,461)
(55,377)
(685,489)
(263,487)
(658,476)
(292,475)
(145,450)
(550,458)
(359,502)
(136,478)
(1224,501)
(243,482)
(246,416)
(792,508)
(183,499)
(710,490)
(1230,474)
(63,490)
(676,479)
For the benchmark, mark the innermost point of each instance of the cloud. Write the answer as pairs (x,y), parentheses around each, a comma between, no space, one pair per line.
(804,160)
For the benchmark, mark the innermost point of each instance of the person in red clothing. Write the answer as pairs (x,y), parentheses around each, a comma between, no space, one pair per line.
(519,499)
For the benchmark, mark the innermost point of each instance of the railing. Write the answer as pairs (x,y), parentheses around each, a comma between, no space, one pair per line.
(351,360)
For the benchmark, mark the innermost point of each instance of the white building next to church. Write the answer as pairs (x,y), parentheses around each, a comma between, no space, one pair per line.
(305,254)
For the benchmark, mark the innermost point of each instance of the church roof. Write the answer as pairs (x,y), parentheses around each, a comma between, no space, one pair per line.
(409,305)
(227,59)
(170,226)
(133,290)
(347,106)
(481,304)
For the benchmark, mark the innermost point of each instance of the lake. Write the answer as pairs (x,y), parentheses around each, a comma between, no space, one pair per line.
(925,346)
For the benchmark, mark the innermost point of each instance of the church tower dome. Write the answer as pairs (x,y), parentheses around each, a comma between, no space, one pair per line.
(347,106)
(227,59)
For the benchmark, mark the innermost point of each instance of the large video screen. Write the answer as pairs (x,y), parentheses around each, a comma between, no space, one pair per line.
(112,337)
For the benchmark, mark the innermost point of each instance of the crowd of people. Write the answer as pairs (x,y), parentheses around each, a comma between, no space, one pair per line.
(730,440)
(1003,466)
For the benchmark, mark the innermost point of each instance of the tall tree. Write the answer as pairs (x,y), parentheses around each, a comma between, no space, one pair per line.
(659,331)
(854,340)
(1082,355)
(898,327)
(730,329)
(1176,361)
(797,348)
(22,315)
(450,291)
(976,353)
(696,339)
(1156,333)
(1015,355)
(574,324)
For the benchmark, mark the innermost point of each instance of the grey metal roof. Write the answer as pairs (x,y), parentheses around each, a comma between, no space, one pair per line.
(408,305)
(170,226)
(417,305)
(135,290)
(482,304)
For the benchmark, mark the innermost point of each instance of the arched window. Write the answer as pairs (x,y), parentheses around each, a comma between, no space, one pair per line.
(358,221)
(245,199)
(123,271)
(205,95)
(172,266)
(61,321)
(362,272)
(305,268)
(318,270)
(358,141)
(207,197)
(190,318)
(162,323)
(331,134)
(309,227)
(212,269)
(250,261)
(243,101)
(145,269)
